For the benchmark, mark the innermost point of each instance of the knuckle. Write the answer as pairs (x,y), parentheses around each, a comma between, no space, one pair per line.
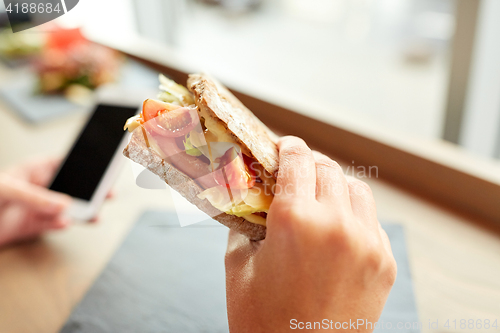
(290,140)
(291,215)
(296,151)
(327,162)
(381,263)
(359,187)
(372,254)
(374,260)
(339,236)
(391,271)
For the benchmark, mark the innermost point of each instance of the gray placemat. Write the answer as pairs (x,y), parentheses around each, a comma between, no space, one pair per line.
(400,307)
(170,279)
(35,108)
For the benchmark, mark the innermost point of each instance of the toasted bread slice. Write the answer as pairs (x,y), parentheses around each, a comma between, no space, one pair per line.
(216,102)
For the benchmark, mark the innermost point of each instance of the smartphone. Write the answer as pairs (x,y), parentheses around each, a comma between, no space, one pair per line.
(95,158)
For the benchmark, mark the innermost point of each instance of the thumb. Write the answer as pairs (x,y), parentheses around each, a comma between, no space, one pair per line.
(34,196)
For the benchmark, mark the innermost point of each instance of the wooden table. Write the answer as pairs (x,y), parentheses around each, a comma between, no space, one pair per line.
(455,264)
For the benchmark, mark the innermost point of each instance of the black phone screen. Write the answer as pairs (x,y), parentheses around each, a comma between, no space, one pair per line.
(92,152)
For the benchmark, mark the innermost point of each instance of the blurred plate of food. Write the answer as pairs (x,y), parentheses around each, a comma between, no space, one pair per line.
(64,74)
(68,59)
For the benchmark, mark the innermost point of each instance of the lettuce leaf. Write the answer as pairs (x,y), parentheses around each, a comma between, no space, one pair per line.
(174,93)
(189,148)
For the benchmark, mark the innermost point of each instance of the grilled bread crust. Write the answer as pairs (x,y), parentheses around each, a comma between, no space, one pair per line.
(255,138)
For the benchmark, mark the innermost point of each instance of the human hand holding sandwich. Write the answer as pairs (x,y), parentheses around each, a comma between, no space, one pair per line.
(325,255)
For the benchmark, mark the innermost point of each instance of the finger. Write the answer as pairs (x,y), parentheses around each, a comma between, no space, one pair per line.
(362,201)
(45,222)
(110,195)
(297,170)
(39,223)
(331,184)
(35,197)
(45,169)
(39,171)
(32,224)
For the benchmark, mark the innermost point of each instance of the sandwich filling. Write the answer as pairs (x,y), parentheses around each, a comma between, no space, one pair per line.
(200,146)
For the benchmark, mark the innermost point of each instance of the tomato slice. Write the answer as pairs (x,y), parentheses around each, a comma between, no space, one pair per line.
(152,108)
(63,39)
(174,124)
(236,173)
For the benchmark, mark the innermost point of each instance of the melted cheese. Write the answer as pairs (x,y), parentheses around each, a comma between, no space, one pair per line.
(219,132)
(217,129)
(242,203)
(255,219)
(132,123)
(253,201)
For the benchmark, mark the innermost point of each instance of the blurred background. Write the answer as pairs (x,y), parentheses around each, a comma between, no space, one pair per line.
(421,68)
(416,74)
